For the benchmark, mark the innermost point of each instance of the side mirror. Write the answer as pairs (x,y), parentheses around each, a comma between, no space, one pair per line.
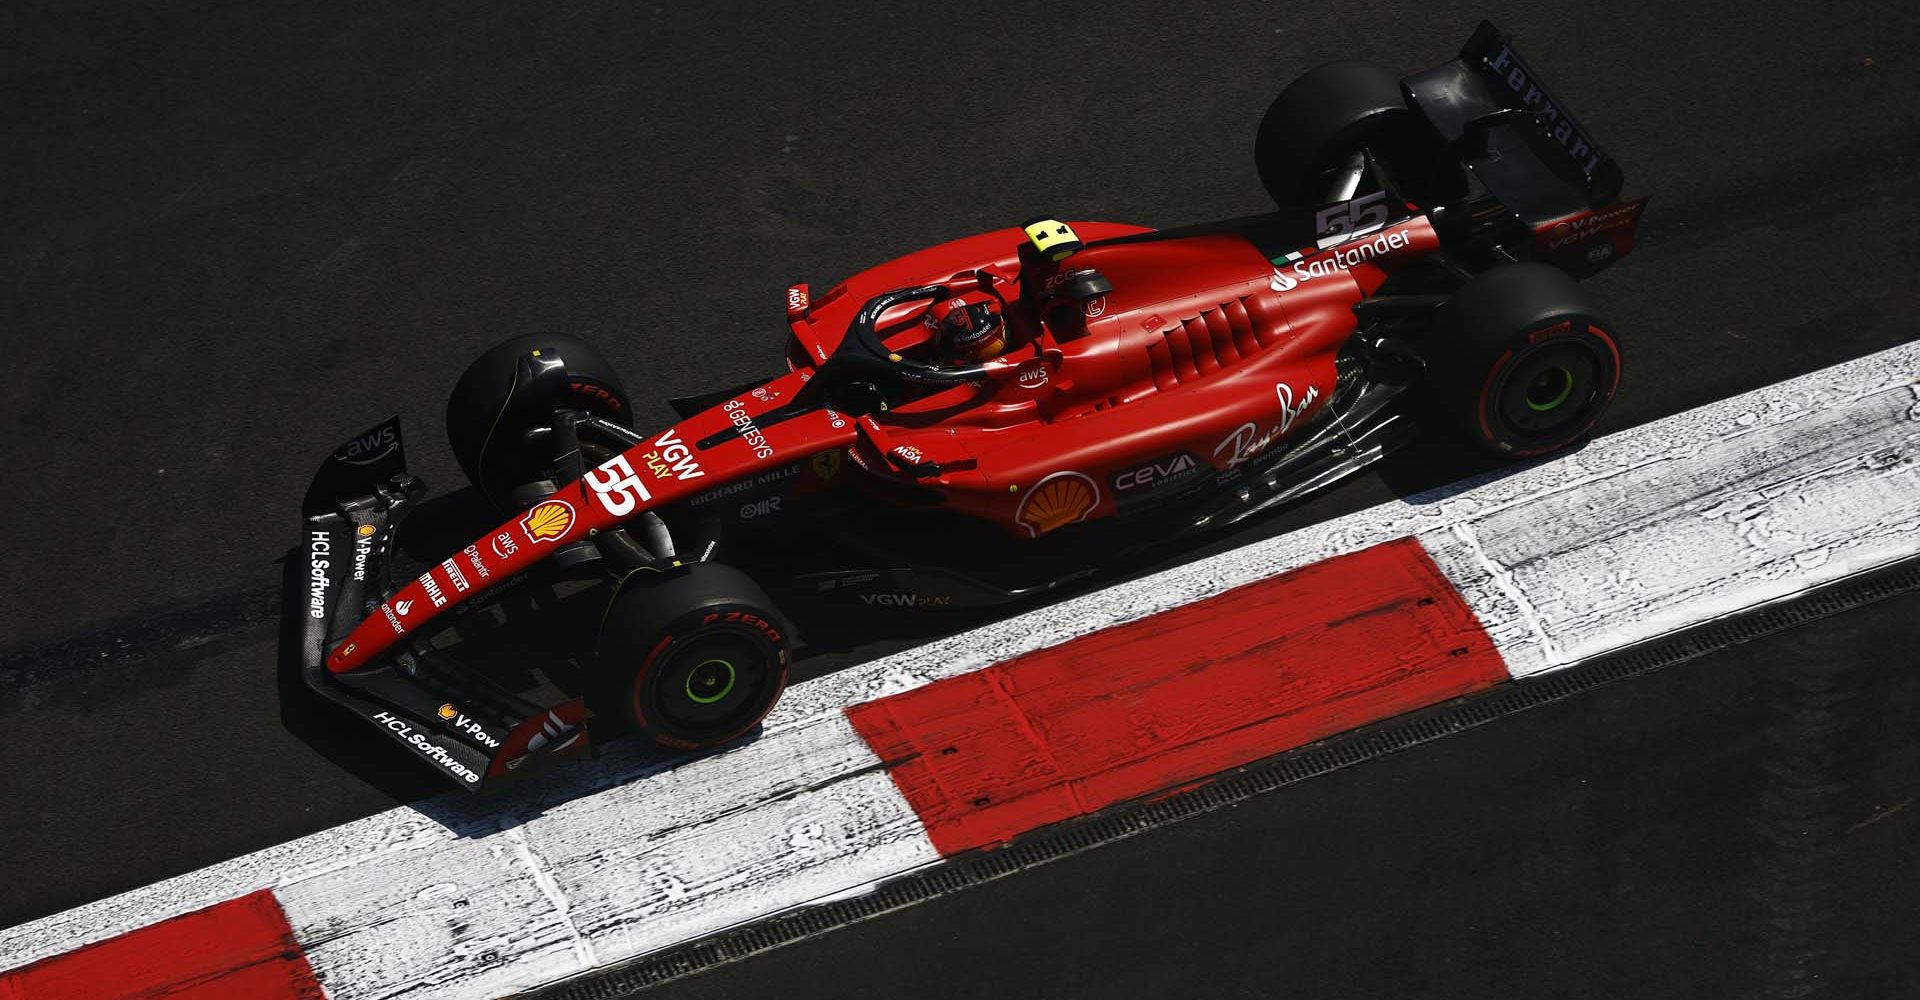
(1085,285)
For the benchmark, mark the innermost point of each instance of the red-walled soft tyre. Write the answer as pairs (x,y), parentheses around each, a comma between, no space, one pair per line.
(1523,360)
(692,658)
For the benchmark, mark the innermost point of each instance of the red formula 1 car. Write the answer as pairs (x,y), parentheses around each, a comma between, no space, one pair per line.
(987,419)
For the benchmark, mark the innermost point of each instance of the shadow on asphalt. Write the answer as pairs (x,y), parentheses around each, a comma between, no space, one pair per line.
(331,731)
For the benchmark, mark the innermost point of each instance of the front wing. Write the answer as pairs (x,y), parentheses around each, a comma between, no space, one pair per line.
(466,727)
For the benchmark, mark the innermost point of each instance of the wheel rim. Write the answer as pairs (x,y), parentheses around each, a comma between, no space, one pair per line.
(710,681)
(710,684)
(1551,392)
(1546,391)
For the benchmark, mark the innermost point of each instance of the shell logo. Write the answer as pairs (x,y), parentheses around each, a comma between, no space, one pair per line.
(448,712)
(548,520)
(366,531)
(1060,499)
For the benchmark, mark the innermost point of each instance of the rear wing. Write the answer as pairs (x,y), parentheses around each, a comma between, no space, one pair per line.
(1491,55)
(1520,139)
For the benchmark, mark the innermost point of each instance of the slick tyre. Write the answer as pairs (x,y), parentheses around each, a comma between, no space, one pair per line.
(496,450)
(694,658)
(1522,360)
(1331,111)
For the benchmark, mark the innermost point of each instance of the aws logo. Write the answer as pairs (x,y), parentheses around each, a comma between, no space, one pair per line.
(370,447)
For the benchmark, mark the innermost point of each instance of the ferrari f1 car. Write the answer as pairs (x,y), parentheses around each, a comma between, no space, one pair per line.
(987,420)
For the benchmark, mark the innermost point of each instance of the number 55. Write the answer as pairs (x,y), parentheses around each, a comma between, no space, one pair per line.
(615,483)
(1360,215)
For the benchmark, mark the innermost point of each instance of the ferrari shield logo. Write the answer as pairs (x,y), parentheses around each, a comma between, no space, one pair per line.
(826,465)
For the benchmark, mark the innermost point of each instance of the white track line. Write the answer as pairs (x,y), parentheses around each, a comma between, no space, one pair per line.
(1677,522)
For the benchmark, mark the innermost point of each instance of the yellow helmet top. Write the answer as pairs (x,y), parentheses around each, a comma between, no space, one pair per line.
(1054,239)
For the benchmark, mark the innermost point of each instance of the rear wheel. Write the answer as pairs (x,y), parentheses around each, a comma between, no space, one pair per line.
(1523,360)
(1332,111)
(692,658)
(493,428)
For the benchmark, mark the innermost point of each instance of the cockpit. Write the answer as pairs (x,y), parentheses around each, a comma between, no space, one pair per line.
(976,328)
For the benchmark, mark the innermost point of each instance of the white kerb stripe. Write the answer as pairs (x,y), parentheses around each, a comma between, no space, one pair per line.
(1706,514)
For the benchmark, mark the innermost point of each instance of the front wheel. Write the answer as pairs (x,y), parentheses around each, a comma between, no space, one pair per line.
(1523,360)
(694,657)
(494,427)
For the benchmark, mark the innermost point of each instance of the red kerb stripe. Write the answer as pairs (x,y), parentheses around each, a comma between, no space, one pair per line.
(238,950)
(1181,695)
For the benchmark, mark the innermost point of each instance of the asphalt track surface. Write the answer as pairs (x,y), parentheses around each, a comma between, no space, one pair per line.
(233,235)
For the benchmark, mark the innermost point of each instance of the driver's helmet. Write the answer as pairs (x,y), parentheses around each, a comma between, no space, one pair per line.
(968,327)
